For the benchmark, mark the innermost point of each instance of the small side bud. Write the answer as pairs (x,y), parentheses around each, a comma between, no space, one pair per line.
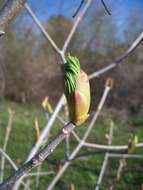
(65,131)
(132,144)
(109,83)
(44,103)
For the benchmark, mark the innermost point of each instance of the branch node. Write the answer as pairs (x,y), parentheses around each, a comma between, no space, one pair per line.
(65,131)
(109,83)
(82,142)
(35,161)
(51,150)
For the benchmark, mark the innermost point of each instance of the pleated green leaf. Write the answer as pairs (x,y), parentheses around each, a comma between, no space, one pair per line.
(71,70)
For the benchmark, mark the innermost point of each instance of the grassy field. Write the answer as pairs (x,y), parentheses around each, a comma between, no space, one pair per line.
(84,171)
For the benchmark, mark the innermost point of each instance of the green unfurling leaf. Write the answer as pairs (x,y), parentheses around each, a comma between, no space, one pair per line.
(71,70)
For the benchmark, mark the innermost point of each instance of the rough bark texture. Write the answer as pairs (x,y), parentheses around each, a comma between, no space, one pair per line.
(38,158)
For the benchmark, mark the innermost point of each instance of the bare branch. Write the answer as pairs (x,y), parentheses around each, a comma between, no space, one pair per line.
(67,140)
(8,131)
(78,9)
(40,174)
(37,128)
(45,33)
(113,148)
(78,19)
(112,155)
(45,132)
(105,162)
(120,59)
(8,159)
(12,164)
(105,7)
(43,138)
(37,176)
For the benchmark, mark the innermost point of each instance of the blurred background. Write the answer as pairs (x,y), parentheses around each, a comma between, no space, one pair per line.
(30,70)
(30,66)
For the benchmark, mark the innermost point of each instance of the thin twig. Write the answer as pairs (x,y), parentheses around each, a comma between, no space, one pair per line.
(78,19)
(113,148)
(67,140)
(119,60)
(38,158)
(44,135)
(105,162)
(40,174)
(46,110)
(105,7)
(37,128)
(37,22)
(8,131)
(116,155)
(8,159)
(12,164)
(78,9)
(76,136)
(45,132)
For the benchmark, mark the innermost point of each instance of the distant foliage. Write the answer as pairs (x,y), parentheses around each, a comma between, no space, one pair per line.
(32,66)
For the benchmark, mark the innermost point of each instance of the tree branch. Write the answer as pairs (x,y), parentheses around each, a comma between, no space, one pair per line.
(108,148)
(38,158)
(119,60)
(8,131)
(78,9)
(105,7)
(105,162)
(42,29)
(75,25)
(12,164)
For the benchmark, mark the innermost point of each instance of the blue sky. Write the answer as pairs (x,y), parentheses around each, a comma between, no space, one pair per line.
(46,8)
(120,10)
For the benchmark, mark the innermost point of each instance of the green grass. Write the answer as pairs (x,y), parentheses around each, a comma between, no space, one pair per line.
(83,172)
